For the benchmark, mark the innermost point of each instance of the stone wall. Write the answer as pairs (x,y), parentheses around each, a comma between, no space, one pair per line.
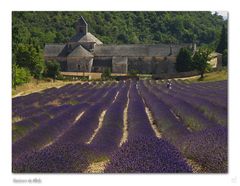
(140,66)
(144,65)
(166,66)
(175,75)
(120,65)
(79,64)
(152,65)
(213,62)
(101,63)
(216,61)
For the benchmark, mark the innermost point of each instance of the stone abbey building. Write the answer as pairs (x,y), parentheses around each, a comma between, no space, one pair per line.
(86,53)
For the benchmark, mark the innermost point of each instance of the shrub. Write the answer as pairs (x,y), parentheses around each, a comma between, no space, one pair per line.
(52,69)
(20,75)
(106,74)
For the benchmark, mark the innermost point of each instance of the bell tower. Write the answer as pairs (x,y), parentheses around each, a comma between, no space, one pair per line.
(81,26)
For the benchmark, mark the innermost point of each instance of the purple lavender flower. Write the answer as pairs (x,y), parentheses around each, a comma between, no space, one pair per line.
(109,136)
(208,148)
(147,155)
(60,158)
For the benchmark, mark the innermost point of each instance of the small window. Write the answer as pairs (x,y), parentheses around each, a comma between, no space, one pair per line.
(79,67)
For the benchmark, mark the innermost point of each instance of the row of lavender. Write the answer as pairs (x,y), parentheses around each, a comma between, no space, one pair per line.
(59,144)
(50,105)
(199,137)
(35,103)
(144,152)
(63,144)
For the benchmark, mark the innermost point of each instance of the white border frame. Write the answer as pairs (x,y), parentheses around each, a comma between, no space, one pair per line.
(122,5)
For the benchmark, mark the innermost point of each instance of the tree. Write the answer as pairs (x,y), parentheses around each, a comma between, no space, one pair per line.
(123,38)
(52,69)
(225,57)
(38,71)
(222,45)
(20,75)
(200,60)
(39,28)
(106,74)
(31,58)
(20,33)
(184,60)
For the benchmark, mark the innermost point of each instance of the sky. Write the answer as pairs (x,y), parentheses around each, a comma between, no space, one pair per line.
(222,13)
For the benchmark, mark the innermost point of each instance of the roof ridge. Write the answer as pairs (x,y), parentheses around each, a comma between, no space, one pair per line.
(80,51)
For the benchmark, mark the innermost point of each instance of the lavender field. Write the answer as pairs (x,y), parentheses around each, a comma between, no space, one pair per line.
(122,127)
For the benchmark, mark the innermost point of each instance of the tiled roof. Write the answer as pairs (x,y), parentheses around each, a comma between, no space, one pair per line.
(138,50)
(80,52)
(88,38)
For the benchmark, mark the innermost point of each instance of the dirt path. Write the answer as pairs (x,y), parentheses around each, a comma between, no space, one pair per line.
(153,123)
(150,118)
(100,124)
(97,167)
(125,123)
(196,168)
(60,135)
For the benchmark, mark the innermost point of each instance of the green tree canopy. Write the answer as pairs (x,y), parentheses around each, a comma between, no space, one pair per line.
(200,60)
(184,60)
(20,75)
(38,28)
(222,45)
(52,69)
(225,57)
(31,58)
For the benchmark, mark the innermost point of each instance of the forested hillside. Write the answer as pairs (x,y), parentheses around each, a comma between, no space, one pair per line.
(39,28)
(32,30)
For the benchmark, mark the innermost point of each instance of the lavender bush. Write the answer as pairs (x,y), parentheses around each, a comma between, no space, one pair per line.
(60,158)
(147,155)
